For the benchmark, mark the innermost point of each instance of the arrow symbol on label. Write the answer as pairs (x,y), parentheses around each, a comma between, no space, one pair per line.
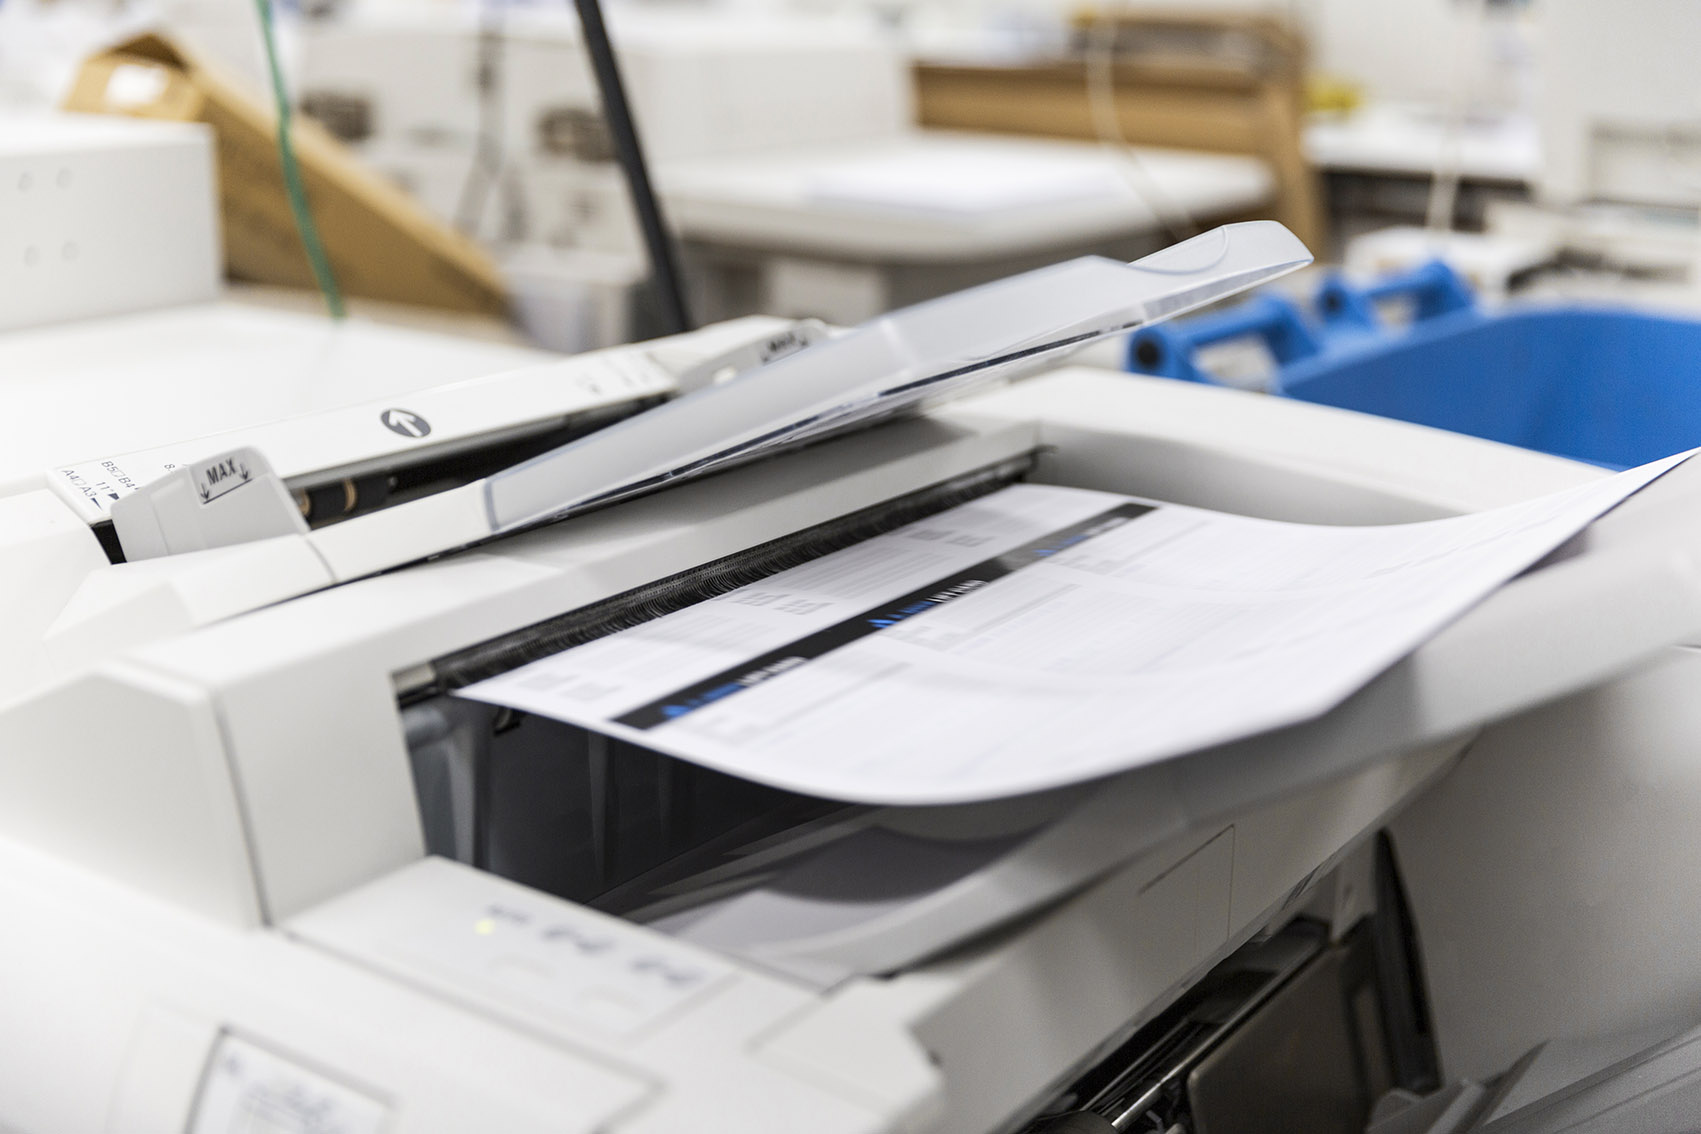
(114,495)
(202,489)
(245,472)
(405,423)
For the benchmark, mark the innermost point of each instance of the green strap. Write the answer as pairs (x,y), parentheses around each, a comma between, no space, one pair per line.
(304,226)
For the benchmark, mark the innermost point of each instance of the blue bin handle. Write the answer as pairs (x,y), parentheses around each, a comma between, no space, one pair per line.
(1166,349)
(1434,288)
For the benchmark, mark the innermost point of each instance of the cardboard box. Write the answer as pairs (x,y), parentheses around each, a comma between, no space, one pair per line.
(381,243)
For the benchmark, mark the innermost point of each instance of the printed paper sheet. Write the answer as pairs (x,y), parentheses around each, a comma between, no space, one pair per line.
(1035,637)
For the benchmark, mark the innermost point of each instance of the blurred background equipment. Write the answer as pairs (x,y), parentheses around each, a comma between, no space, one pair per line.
(1221,82)
(1620,191)
(104,218)
(839,160)
(1588,193)
(783,150)
(1438,119)
(381,244)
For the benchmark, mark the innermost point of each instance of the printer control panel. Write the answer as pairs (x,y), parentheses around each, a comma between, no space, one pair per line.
(534,956)
(248,1089)
(544,955)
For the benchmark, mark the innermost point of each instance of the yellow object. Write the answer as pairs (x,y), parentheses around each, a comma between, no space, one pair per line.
(1328,93)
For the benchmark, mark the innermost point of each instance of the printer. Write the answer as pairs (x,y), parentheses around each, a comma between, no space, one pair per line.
(263,869)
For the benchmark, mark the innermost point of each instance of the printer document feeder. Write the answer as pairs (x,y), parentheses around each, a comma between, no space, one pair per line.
(897,363)
(235,847)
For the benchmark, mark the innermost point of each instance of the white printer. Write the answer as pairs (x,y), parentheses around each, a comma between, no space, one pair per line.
(263,871)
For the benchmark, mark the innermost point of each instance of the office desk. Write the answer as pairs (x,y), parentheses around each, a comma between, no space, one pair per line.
(1378,161)
(1407,139)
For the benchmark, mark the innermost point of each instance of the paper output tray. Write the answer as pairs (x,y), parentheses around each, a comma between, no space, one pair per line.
(1609,601)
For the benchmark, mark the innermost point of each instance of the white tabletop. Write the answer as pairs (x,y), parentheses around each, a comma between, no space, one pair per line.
(1409,139)
(937,196)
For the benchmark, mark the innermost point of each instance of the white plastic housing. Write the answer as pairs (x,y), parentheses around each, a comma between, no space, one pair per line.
(102,216)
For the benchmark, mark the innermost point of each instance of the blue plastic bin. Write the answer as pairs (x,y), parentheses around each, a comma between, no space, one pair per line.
(1614,387)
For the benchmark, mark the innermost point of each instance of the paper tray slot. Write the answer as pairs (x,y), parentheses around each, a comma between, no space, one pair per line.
(568,811)
(639,834)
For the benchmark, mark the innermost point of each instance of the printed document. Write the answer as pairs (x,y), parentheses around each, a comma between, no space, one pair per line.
(1035,637)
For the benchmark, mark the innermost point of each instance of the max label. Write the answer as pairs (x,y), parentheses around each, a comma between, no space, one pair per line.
(215,478)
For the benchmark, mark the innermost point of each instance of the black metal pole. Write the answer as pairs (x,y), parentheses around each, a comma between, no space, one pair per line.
(664,262)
